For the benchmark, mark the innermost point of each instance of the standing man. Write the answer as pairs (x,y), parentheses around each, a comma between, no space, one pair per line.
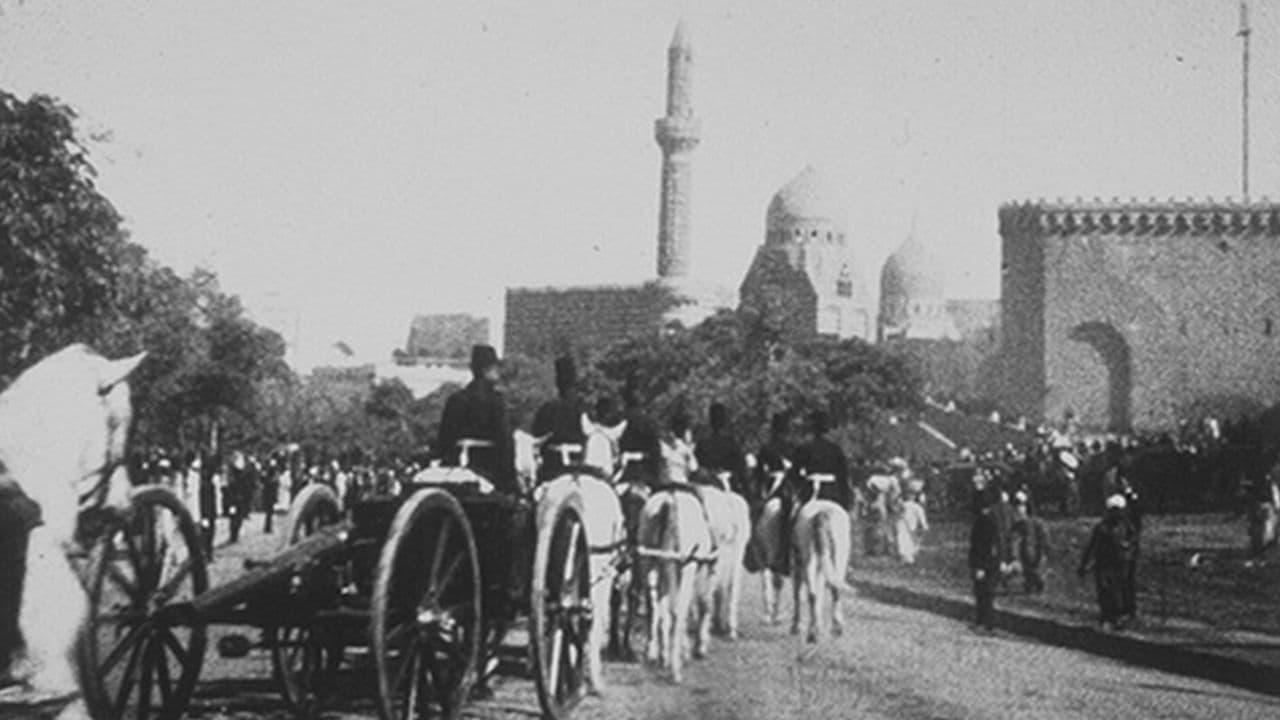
(721,453)
(985,543)
(270,491)
(1133,513)
(240,487)
(1031,543)
(558,423)
(479,412)
(1107,554)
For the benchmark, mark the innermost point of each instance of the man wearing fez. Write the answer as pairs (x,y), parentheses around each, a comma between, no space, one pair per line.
(639,438)
(559,422)
(822,456)
(720,451)
(479,412)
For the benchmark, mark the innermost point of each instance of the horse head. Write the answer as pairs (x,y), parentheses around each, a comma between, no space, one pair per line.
(602,445)
(63,427)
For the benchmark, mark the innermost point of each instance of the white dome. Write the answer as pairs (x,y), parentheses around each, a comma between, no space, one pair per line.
(807,200)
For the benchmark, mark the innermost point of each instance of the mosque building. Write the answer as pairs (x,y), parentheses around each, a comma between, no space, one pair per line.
(805,274)
(913,303)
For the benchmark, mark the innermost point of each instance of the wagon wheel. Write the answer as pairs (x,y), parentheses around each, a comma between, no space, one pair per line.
(425,629)
(306,657)
(139,655)
(561,612)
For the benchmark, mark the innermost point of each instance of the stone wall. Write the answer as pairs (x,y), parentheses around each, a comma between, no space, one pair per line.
(542,322)
(1140,314)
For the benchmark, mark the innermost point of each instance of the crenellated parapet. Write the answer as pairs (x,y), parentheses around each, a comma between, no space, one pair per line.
(1138,217)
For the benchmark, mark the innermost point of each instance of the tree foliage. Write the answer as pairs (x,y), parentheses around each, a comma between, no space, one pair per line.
(757,370)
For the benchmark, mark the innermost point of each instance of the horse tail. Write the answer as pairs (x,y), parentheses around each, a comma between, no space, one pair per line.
(825,545)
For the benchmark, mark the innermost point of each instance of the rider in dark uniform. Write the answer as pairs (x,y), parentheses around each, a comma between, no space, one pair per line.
(775,456)
(721,453)
(559,422)
(640,436)
(479,412)
(822,456)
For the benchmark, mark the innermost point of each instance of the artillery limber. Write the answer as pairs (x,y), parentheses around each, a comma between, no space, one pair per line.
(413,594)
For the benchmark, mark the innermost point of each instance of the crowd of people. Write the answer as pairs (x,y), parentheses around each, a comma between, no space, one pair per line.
(889,502)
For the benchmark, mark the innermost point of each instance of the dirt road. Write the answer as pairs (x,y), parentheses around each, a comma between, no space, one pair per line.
(890,663)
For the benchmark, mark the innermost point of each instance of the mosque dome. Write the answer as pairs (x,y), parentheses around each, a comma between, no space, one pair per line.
(912,273)
(806,203)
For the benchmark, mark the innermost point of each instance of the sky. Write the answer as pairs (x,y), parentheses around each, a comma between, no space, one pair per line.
(344,166)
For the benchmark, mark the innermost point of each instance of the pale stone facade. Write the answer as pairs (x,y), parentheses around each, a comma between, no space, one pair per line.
(1138,315)
(806,268)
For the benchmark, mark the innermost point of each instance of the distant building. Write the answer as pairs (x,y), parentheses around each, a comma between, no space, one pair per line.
(1135,315)
(345,384)
(550,320)
(443,339)
(913,301)
(804,277)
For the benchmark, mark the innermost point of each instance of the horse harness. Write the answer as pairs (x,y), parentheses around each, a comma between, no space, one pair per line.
(707,558)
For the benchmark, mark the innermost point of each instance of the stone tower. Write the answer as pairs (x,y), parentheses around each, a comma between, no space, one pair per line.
(677,134)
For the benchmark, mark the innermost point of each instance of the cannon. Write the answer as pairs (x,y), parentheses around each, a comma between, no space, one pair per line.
(413,594)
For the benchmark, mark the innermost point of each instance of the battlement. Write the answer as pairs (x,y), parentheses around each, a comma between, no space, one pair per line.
(1134,216)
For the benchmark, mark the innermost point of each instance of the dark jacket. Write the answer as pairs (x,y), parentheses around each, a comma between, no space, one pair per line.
(773,457)
(1110,547)
(721,452)
(560,421)
(479,412)
(985,542)
(820,455)
(641,436)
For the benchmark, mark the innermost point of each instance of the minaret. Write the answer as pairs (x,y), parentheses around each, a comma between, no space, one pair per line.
(678,135)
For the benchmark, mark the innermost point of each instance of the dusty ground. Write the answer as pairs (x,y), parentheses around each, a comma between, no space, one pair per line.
(890,663)
(1191,566)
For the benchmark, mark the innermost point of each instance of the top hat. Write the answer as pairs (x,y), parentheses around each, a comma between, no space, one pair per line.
(566,373)
(483,357)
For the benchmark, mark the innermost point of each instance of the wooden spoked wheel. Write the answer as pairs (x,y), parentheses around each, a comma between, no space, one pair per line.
(425,629)
(560,610)
(306,658)
(139,654)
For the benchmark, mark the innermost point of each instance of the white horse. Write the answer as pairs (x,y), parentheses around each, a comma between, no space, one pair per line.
(63,425)
(820,542)
(676,551)
(602,521)
(767,536)
(729,521)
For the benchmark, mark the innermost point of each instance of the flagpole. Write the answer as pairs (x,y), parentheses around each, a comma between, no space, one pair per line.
(1244,33)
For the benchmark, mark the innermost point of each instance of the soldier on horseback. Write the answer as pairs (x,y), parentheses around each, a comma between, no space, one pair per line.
(477,417)
(639,444)
(720,453)
(557,425)
(820,471)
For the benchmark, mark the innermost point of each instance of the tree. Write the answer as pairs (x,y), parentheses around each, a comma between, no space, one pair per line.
(61,244)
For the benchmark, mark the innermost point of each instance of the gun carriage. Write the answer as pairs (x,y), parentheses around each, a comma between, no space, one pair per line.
(412,594)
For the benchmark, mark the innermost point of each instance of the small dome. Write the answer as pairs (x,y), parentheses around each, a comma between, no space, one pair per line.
(807,199)
(912,272)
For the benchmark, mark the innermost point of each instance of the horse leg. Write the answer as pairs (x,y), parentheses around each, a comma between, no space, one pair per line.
(814,581)
(657,612)
(773,586)
(706,603)
(53,607)
(602,579)
(837,614)
(735,588)
(797,580)
(682,586)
